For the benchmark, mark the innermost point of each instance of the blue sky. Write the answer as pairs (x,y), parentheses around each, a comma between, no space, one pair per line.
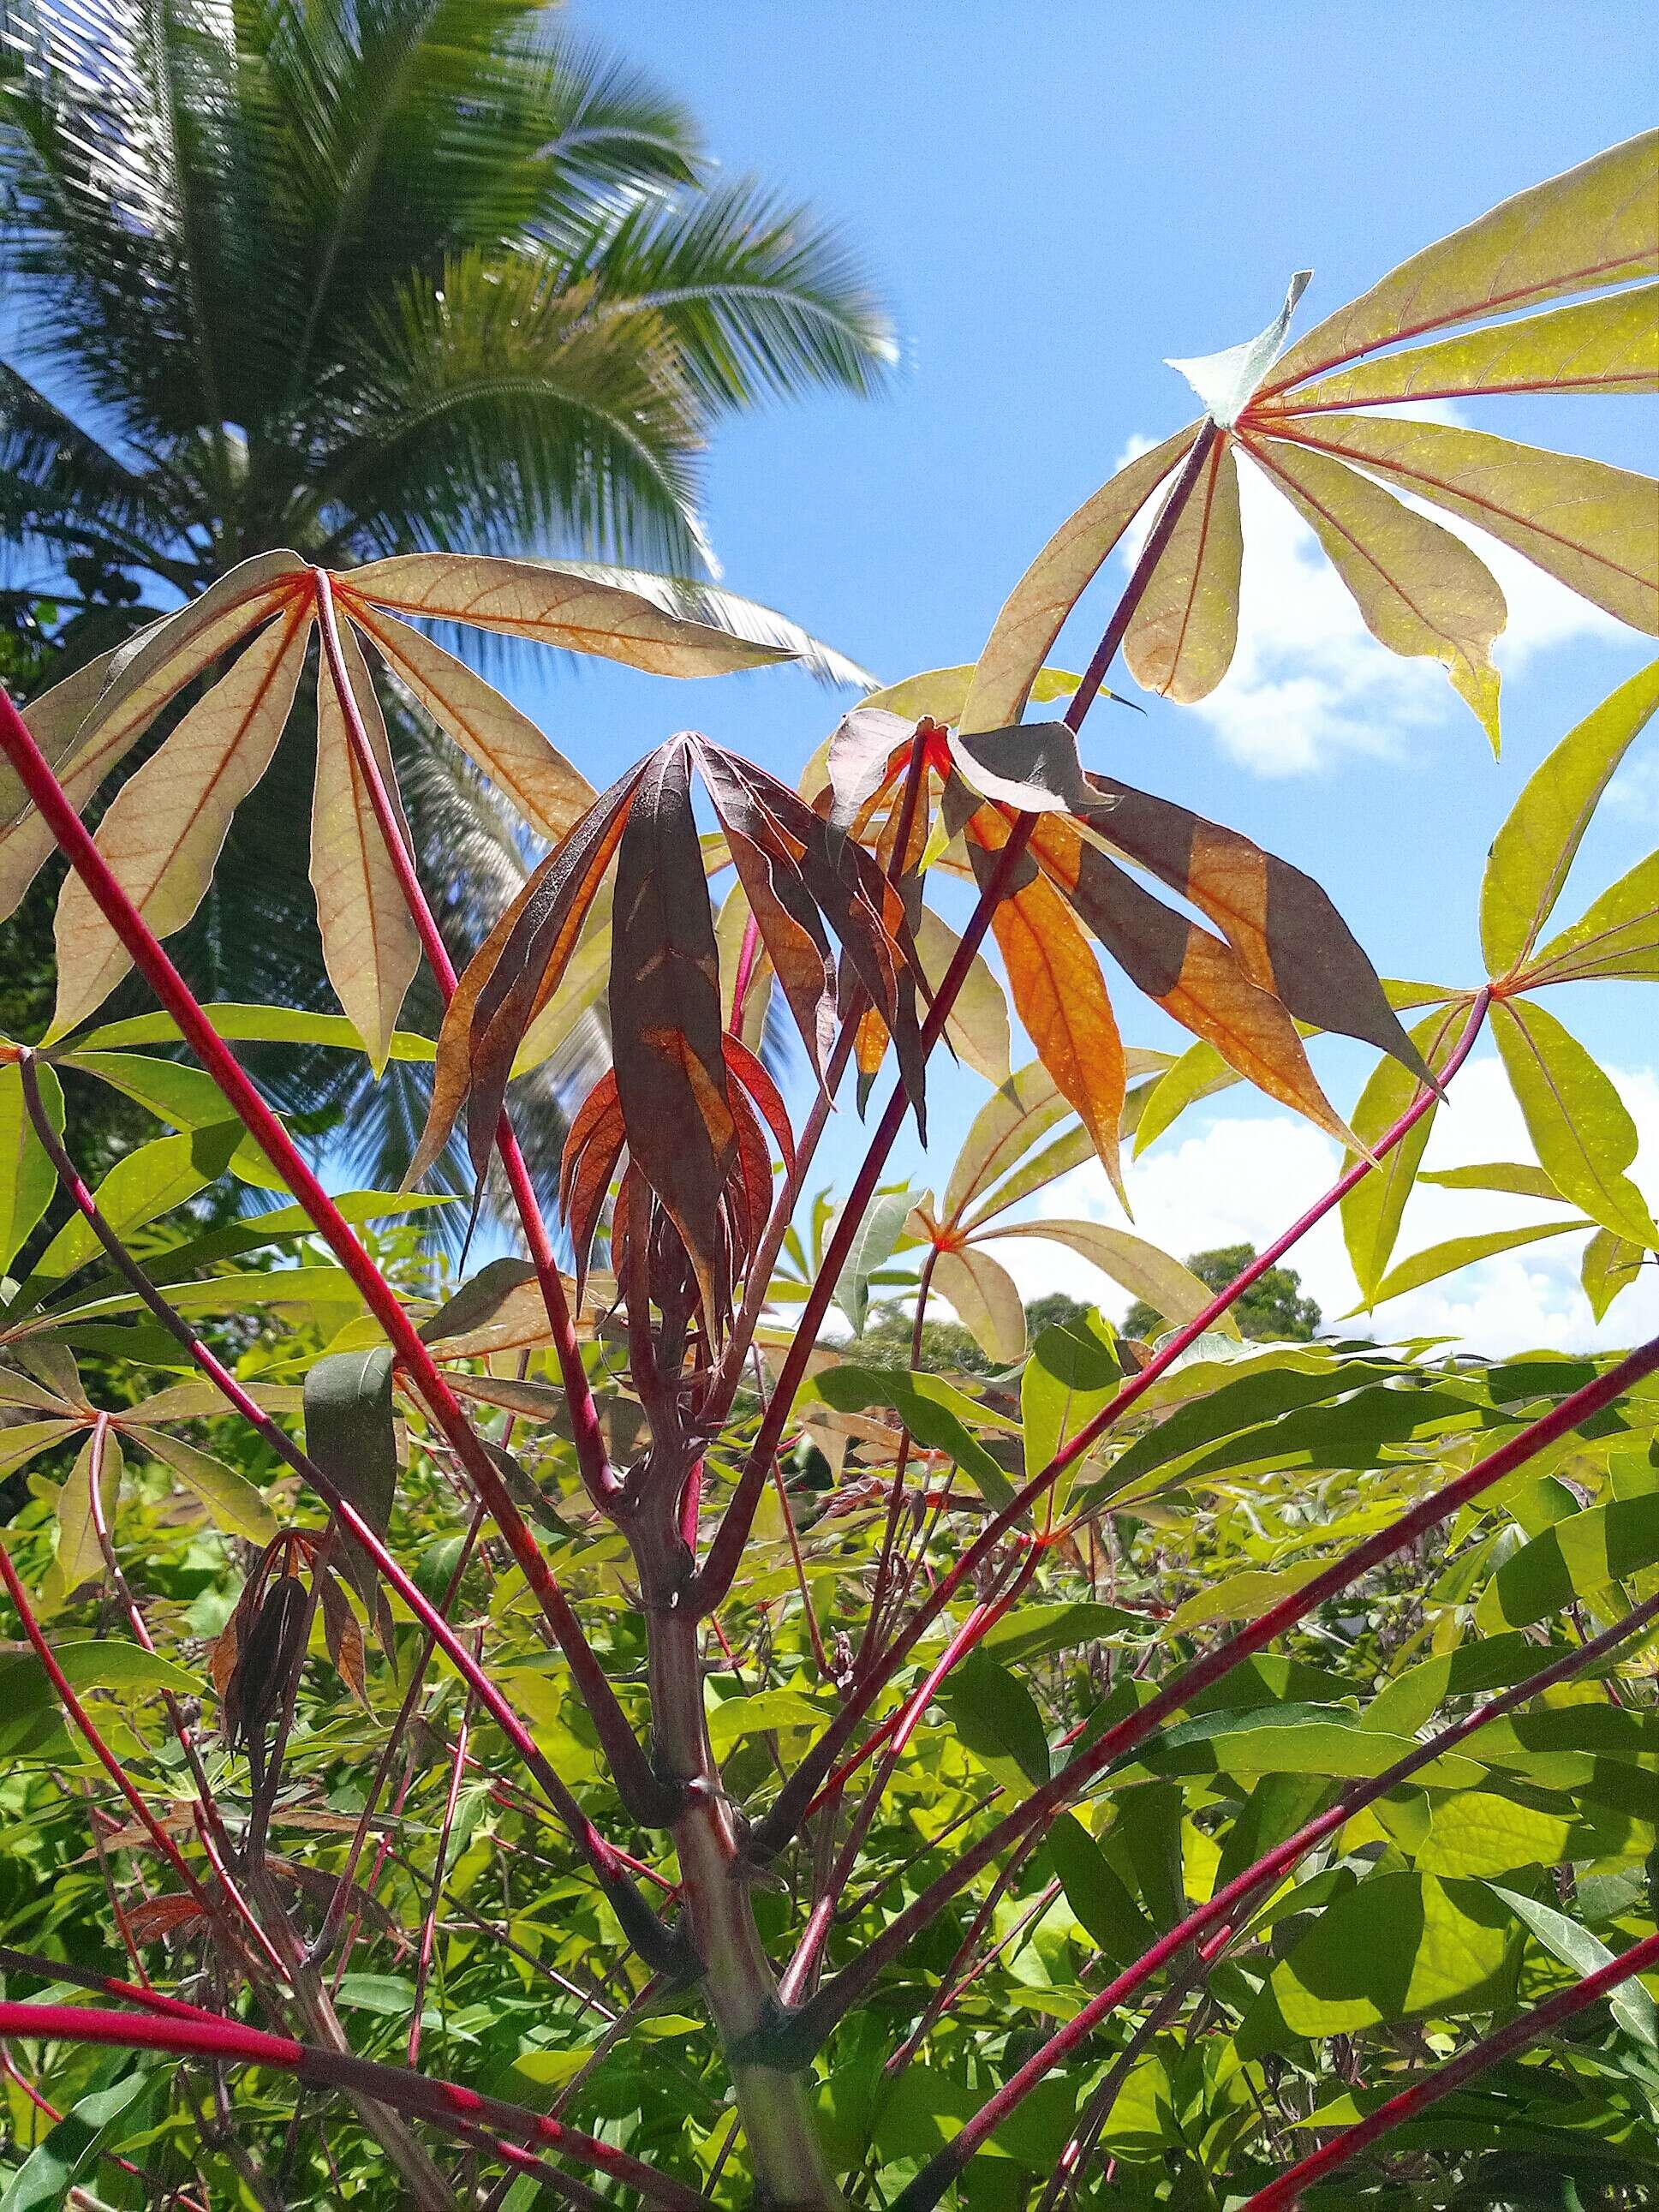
(1054,199)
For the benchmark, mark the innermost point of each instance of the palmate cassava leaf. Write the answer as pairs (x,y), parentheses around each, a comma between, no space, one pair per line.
(1580,1127)
(1532,852)
(163,834)
(1301,419)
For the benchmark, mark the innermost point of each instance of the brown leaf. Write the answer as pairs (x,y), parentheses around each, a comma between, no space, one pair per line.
(1288,936)
(1059,991)
(162,835)
(1193,975)
(153,1918)
(665,1018)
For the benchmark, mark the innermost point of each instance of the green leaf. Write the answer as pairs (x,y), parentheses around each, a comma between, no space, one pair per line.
(69,2149)
(1617,936)
(1030,1632)
(1428,1266)
(80,1556)
(250,1025)
(145,1183)
(1511,1176)
(1312,1740)
(1096,1893)
(1611,1265)
(230,1500)
(21,1441)
(350,1435)
(1410,1700)
(767,1709)
(1575,1947)
(1398,1946)
(996,1717)
(1477,1832)
(1200,1072)
(1243,1596)
(188,1098)
(1533,850)
(935,1413)
(1372,1210)
(872,1248)
(1583,1135)
(1574,1558)
(1071,1373)
(28,1178)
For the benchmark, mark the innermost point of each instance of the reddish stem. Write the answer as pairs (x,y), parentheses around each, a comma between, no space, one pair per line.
(1282,2194)
(816,2018)
(643,1929)
(1237,1897)
(630,1768)
(446,2104)
(781,1823)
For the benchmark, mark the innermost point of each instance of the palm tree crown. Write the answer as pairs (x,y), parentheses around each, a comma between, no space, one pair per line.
(362,276)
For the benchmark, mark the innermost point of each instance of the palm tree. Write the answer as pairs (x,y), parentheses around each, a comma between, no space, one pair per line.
(363,276)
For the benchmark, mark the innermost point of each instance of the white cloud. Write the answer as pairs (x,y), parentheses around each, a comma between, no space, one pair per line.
(1241,1179)
(1308,682)
(1634,791)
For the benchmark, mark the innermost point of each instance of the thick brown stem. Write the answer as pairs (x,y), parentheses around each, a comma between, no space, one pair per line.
(775,2101)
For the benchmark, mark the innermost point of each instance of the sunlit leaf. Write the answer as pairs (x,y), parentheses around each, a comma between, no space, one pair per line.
(1611,1265)
(555,606)
(1036,610)
(163,835)
(148,1180)
(1180,641)
(370,945)
(28,1178)
(229,1500)
(1536,848)
(1618,937)
(1457,1252)
(1372,1210)
(1421,590)
(1584,1135)
(986,1301)
(1141,1269)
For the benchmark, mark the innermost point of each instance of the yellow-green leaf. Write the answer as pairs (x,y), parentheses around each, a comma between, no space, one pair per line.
(1036,610)
(1597,528)
(1578,1124)
(1611,1265)
(1618,937)
(1428,1267)
(1140,1268)
(986,1299)
(1533,850)
(941,694)
(1607,345)
(1421,591)
(1180,641)
(80,1556)
(1593,225)
(1371,1210)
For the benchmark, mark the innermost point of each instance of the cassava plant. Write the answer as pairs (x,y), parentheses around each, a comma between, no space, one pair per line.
(583,1732)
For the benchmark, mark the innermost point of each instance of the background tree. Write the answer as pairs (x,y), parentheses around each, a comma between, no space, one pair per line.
(360,278)
(1273,1309)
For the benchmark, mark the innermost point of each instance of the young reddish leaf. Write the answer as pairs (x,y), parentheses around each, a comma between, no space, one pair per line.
(1059,991)
(550,794)
(1596,345)
(593,1147)
(89,722)
(1193,975)
(512,975)
(555,606)
(749,1072)
(665,1017)
(1597,528)
(370,947)
(1036,610)
(1289,937)
(1180,641)
(1421,590)
(153,1918)
(162,835)
(864,752)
